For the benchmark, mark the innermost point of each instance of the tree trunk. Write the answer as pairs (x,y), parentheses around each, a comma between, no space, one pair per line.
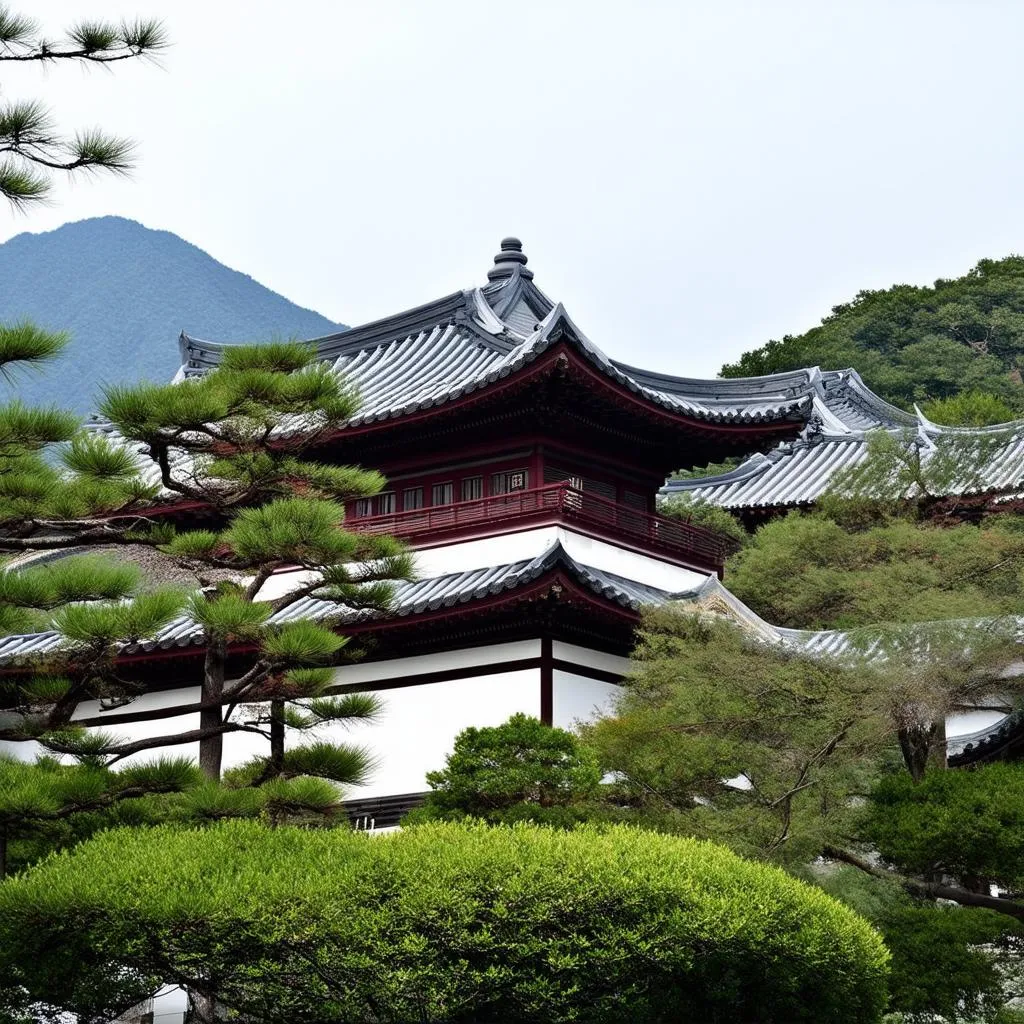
(276,766)
(202,1008)
(211,747)
(930,890)
(916,743)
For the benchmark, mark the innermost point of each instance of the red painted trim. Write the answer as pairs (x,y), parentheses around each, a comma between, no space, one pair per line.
(519,444)
(584,512)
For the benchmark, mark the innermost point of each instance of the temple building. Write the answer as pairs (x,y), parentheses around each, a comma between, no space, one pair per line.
(523,469)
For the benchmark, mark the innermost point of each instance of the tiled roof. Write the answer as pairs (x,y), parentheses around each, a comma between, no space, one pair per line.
(799,472)
(470,340)
(438,352)
(417,597)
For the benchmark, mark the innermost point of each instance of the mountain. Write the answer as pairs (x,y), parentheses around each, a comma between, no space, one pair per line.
(124,292)
(956,347)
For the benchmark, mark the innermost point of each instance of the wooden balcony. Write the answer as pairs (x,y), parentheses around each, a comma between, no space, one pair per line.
(554,504)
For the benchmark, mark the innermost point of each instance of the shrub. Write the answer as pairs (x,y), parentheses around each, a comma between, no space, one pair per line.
(509,771)
(445,923)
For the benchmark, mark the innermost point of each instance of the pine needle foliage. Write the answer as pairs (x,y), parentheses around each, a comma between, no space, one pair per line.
(33,151)
(234,442)
(43,802)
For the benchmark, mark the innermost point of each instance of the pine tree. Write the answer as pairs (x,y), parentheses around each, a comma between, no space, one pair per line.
(32,150)
(231,444)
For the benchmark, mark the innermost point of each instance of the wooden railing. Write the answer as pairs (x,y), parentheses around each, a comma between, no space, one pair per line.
(554,503)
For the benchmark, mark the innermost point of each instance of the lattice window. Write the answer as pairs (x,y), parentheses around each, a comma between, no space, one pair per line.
(442,494)
(509,481)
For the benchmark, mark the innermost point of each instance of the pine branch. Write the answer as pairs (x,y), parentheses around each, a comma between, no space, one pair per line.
(929,890)
(123,750)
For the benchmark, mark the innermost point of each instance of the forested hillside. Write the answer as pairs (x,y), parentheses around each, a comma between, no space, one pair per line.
(960,337)
(124,292)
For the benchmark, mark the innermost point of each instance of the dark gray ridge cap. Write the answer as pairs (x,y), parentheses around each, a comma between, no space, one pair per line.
(558,325)
(400,325)
(506,293)
(789,384)
(510,258)
(747,470)
(849,384)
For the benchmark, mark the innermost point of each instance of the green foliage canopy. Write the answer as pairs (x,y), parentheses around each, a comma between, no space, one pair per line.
(960,823)
(920,344)
(722,737)
(807,572)
(442,923)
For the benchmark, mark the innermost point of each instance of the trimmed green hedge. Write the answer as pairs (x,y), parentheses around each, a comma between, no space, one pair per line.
(446,923)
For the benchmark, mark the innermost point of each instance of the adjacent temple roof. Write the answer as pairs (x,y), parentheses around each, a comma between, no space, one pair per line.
(799,472)
(469,340)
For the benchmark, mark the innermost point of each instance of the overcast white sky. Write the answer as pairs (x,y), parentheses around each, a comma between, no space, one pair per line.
(689,178)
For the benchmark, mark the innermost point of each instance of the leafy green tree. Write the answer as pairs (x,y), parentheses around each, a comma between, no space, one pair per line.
(519,769)
(948,963)
(789,757)
(32,150)
(969,409)
(440,922)
(702,513)
(772,750)
(919,344)
(733,741)
(978,836)
(807,571)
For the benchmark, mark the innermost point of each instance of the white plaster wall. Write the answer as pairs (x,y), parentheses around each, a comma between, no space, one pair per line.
(971,721)
(420,723)
(469,657)
(591,659)
(414,733)
(579,699)
(600,554)
(525,545)
(238,747)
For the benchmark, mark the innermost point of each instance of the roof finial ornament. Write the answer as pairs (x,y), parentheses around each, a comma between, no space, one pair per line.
(510,259)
